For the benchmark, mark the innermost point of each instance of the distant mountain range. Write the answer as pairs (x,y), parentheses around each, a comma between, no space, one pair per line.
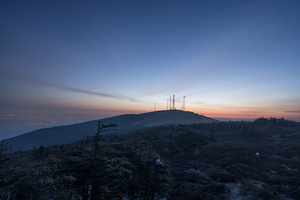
(126,123)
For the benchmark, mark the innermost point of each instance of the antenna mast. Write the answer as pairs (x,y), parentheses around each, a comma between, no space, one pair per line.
(183,104)
(174,102)
(167,104)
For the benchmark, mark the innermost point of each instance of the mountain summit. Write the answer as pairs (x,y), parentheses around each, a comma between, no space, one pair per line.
(126,123)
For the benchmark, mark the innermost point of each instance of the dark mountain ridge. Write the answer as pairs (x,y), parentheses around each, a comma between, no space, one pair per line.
(224,160)
(126,123)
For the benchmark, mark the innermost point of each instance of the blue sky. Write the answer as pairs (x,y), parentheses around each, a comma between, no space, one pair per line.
(72,61)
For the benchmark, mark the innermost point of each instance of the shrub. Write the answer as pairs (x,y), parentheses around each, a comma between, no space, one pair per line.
(220,175)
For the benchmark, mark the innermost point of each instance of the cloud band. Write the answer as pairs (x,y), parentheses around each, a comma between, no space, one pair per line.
(66,88)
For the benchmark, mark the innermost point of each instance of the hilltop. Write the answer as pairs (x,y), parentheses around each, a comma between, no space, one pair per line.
(126,123)
(224,160)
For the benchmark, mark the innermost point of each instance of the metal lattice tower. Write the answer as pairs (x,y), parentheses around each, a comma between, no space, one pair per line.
(173,107)
(183,104)
(167,104)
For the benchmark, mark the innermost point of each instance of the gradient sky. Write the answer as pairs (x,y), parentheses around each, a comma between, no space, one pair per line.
(70,61)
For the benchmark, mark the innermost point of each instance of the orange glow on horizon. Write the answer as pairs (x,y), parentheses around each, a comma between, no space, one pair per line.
(242,114)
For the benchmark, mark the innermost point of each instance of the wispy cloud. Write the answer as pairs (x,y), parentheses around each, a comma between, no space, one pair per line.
(66,88)
(292,111)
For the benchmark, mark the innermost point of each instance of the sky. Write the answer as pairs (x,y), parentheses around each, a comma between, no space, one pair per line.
(63,62)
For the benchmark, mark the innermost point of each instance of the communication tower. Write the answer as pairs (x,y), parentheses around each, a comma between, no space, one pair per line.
(183,104)
(173,108)
(167,104)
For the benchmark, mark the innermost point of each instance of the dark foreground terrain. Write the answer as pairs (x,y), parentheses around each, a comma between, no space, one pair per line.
(224,160)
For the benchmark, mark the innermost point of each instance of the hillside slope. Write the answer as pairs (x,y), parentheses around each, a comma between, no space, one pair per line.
(126,123)
(224,160)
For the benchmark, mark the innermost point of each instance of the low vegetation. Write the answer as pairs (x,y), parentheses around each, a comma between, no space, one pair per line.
(224,160)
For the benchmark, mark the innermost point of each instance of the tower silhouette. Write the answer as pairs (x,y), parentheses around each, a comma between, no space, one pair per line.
(183,104)
(167,104)
(173,107)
